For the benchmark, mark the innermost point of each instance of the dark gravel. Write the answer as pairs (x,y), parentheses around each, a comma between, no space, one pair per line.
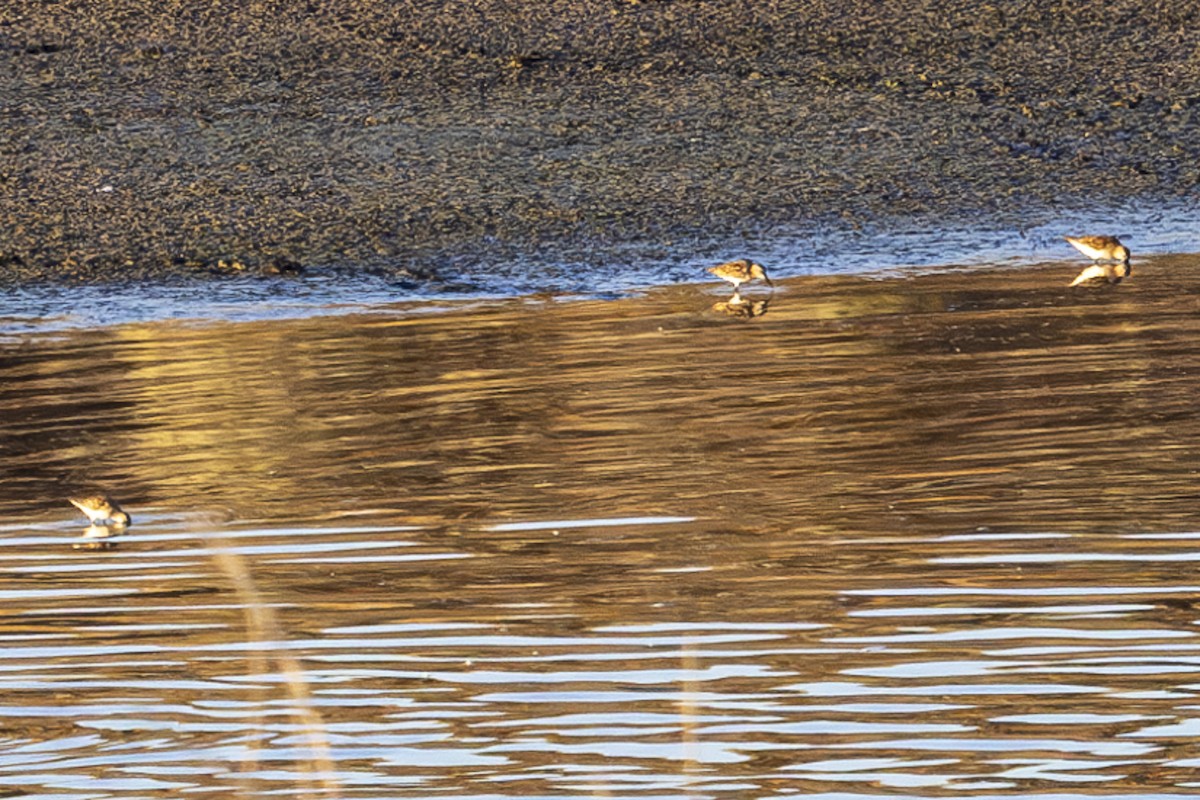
(153,139)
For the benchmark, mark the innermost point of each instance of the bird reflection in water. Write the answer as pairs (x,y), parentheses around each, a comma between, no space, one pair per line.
(106,518)
(738,306)
(97,537)
(1109,273)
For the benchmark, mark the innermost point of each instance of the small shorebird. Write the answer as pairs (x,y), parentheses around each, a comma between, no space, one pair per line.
(1106,249)
(102,510)
(1100,248)
(741,271)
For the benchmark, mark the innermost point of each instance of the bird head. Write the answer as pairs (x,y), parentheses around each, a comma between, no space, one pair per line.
(757,271)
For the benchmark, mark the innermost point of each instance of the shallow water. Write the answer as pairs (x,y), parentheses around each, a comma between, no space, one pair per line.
(834,249)
(931,536)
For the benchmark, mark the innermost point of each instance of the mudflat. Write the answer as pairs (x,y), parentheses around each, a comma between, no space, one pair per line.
(145,140)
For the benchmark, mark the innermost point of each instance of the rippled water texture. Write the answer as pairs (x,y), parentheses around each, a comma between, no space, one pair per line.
(922,537)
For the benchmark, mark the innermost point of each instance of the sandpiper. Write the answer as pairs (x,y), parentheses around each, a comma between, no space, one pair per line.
(102,510)
(1100,248)
(741,271)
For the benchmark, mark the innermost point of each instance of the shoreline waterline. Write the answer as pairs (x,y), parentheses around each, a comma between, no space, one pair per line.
(902,250)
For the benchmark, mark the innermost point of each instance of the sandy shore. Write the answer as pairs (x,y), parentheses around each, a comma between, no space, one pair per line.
(153,140)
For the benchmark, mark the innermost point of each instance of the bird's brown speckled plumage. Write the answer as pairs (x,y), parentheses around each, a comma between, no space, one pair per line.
(101,509)
(741,271)
(1100,248)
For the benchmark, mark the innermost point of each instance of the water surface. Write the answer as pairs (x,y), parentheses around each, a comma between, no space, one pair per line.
(927,536)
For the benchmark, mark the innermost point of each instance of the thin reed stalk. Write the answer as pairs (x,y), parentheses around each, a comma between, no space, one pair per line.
(262,629)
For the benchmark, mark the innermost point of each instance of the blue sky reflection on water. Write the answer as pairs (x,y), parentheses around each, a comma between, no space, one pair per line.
(898,249)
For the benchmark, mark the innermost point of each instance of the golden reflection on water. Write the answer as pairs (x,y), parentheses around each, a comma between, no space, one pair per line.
(928,534)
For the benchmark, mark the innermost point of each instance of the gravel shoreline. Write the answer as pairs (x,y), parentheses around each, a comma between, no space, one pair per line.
(143,141)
